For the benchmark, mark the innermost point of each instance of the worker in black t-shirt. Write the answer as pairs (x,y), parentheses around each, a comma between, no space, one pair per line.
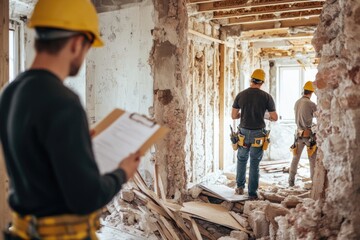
(250,106)
(55,184)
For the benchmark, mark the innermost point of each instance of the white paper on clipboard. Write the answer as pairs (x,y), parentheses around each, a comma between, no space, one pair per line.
(126,133)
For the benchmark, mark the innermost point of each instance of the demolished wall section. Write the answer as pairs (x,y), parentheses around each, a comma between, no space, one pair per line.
(337,40)
(204,107)
(118,74)
(336,214)
(171,89)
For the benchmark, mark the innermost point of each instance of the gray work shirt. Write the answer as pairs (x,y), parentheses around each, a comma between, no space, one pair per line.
(304,112)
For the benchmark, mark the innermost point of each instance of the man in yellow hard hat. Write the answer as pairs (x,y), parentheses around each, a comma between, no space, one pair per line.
(55,184)
(304,114)
(250,106)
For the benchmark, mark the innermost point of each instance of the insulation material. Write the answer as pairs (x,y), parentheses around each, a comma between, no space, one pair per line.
(204,108)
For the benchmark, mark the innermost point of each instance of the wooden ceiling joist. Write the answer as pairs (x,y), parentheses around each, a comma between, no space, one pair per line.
(229,5)
(272,35)
(246,12)
(281,24)
(273,18)
(200,1)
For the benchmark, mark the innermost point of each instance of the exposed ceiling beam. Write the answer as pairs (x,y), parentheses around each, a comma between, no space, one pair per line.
(273,18)
(266,36)
(239,4)
(267,10)
(283,24)
(200,1)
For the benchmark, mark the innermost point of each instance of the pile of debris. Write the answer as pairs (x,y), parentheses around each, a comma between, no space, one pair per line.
(209,212)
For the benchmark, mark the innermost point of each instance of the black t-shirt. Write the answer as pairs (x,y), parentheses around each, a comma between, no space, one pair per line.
(253,103)
(48,151)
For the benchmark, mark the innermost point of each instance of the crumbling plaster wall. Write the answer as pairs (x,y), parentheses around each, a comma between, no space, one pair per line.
(204,113)
(336,214)
(171,92)
(337,40)
(118,74)
(203,123)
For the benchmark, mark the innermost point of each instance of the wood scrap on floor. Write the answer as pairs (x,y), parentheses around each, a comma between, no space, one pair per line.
(209,211)
(223,192)
(212,213)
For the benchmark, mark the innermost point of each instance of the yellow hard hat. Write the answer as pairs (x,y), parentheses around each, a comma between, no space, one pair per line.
(258,74)
(72,15)
(309,86)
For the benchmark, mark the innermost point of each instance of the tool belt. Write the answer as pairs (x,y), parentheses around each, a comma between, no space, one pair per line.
(304,133)
(258,142)
(62,227)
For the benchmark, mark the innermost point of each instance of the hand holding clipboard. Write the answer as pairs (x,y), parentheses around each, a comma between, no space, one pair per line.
(122,133)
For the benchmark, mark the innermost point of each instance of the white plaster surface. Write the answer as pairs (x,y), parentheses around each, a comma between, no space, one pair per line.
(120,69)
(118,74)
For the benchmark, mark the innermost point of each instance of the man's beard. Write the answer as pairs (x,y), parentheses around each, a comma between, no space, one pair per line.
(75,67)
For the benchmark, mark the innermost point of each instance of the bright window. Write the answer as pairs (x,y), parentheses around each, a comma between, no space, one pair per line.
(12,60)
(14,49)
(291,80)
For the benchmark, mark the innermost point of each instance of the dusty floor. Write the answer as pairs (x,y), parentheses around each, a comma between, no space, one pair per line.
(122,232)
(278,179)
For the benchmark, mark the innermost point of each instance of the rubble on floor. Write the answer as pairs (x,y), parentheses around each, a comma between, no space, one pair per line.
(214,212)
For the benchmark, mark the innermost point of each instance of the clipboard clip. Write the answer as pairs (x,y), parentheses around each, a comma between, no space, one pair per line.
(142,119)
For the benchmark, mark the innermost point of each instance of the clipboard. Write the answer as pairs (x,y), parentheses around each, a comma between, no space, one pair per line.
(140,131)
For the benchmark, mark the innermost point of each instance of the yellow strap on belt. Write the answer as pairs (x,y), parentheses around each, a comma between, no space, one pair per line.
(64,227)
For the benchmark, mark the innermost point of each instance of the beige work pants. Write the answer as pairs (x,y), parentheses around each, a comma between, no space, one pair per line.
(301,143)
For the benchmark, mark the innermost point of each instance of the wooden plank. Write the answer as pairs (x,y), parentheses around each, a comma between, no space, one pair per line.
(152,195)
(205,233)
(161,187)
(233,5)
(211,212)
(196,229)
(173,206)
(266,10)
(205,141)
(191,31)
(215,116)
(272,17)
(224,192)
(156,208)
(222,141)
(161,231)
(192,145)
(141,196)
(200,1)
(314,21)
(156,185)
(170,228)
(270,163)
(5,215)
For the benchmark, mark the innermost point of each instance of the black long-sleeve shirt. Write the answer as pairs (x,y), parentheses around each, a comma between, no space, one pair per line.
(48,151)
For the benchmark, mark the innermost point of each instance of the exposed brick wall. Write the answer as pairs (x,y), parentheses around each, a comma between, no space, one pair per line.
(337,40)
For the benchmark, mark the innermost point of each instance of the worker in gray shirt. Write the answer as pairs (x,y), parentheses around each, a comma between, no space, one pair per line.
(304,114)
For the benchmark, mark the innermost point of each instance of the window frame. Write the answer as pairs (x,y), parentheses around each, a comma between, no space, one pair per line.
(278,87)
(15,28)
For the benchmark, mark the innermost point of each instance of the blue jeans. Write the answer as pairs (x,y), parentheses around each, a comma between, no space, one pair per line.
(256,154)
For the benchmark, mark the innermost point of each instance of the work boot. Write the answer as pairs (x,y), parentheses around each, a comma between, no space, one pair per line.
(291,182)
(253,197)
(239,191)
